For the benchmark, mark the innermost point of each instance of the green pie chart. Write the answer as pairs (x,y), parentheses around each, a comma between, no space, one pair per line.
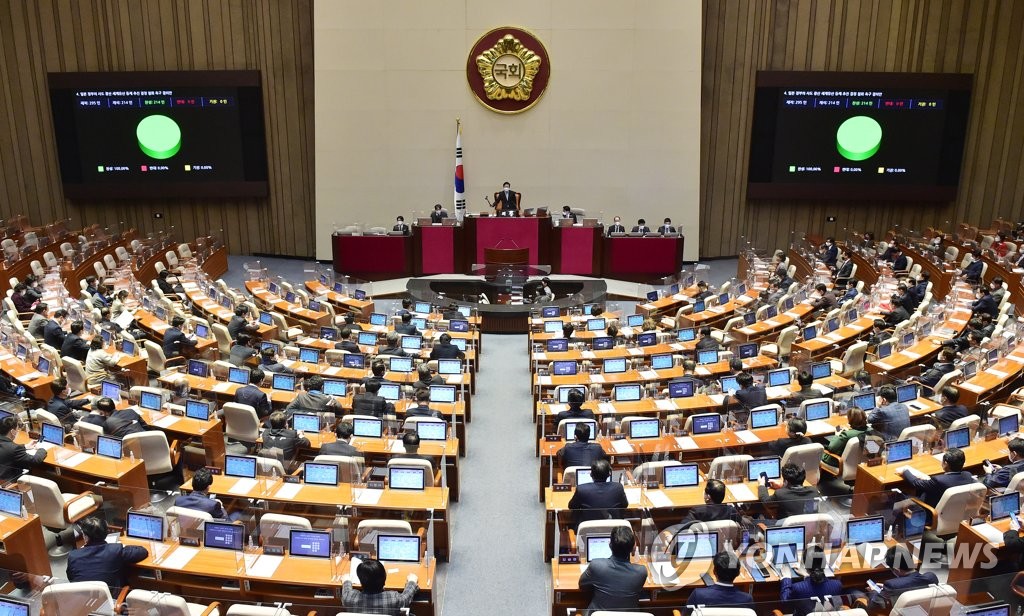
(858,138)
(159,136)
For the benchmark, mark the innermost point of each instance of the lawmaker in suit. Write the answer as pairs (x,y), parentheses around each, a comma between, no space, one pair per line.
(951,408)
(616,226)
(252,395)
(426,378)
(795,430)
(892,418)
(575,410)
(199,498)
(930,490)
(845,271)
(985,304)
(815,586)
(707,342)
(713,509)
(444,349)
(280,436)
(406,327)
(74,345)
(341,446)
(568,215)
(175,340)
(506,201)
(999,476)
(830,253)
(666,227)
(581,452)
(791,496)
(312,397)
(369,403)
(641,227)
(401,226)
(422,408)
(615,582)
(346,344)
(723,593)
(438,214)
(99,561)
(372,597)
(599,500)
(905,578)
(972,273)
(15,458)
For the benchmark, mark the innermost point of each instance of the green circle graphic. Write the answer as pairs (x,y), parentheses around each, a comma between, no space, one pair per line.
(159,136)
(858,138)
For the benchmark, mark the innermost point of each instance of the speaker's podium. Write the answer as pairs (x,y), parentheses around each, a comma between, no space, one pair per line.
(529,233)
(507,270)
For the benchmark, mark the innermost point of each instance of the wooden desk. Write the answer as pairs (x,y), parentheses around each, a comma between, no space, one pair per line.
(921,353)
(205,347)
(210,433)
(993,381)
(295,580)
(22,547)
(362,307)
(768,327)
(37,384)
(668,305)
(971,541)
(215,313)
(716,314)
(866,270)
(295,314)
(831,344)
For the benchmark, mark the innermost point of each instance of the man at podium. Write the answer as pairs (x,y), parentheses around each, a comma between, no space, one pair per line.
(506,201)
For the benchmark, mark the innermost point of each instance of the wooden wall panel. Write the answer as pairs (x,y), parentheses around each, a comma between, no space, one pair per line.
(982,37)
(273,36)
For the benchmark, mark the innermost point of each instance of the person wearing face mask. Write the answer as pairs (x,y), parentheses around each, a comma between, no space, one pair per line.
(666,227)
(830,253)
(568,215)
(506,201)
(437,215)
(401,226)
(616,226)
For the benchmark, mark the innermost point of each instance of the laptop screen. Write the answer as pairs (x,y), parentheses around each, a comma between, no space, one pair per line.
(699,306)
(359,294)
(970,369)
(906,393)
(283,382)
(771,312)
(266,318)
(442,393)
(680,389)
(1009,425)
(748,350)
(151,401)
(110,390)
(817,411)
(549,312)
(989,610)
(810,332)
(240,466)
(884,350)
(309,356)
(108,447)
(320,473)
(239,376)
(707,357)
(660,362)
(202,331)
(564,367)
(449,366)
(789,303)
(198,409)
(652,296)
(644,428)
(821,370)
(764,418)
(749,319)
(900,451)
(144,526)
(833,324)
(422,308)
(367,428)
(647,339)
(10,502)
(779,378)
(1005,505)
(378,319)
(223,535)
(456,325)
(595,325)
(465,311)
(557,345)
(769,466)
(583,476)
(687,334)
(52,433)
(626,393)
(400,364)
(305,422)
(400,548)
(706,423)
(406,478)
(335,387)
(681,475)
(865,530)
(615,365)
(598,546)
(696,545)
(43,365)
(635,320)
(552,327)
(328,333)
(729,383)
(10,607)
(313,543)
(432,430)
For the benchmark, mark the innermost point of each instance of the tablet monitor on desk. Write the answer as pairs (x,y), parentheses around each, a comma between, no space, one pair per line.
(557,345)
(266,318)
(661,362)
(563,368)
(706,423)
(366,339)
(900,451)
(359,295)
(422,308)
(379,319)
(328,333)
(771,466)
(108,447)
(647,339)
(10,607)
(309,356)
(749,319)
(1009,425)
(43,365)
(865,530)
(707,357)
(644,428)
(771,312)
(389,391)
(550,312)
(865,402)
(198,409)
(144,526)
(151,401)
(127,347)
(729,383)
(779,378)
(406,478)
(238,376)
(10,502)
(821,370)
(789,303)
(273,288)
(884,350)
(367,428)
(320,473)
(616,365)
(699,306)
(563,393)
(958,438)
(354,360)
(906,393)
(335,387)
(764,418)
(240,466)
(412,343)
(832,324)
(687,334)
(629,392)
(583,476)
(852,315)
(598,546)
(908,339)
(449,366)
(635,320)
(747,350)
(1001,609)
(266,344)
(970,369)
(683,388)
(817,411)
(595,325)
(681,476)
(442,393)
(552,327)
(199,368)
(313,305)
(223,535)
(696,545)
(400,364)
(306,422)
(723,299)
(283,382)
(455,325)
(570,427)
(52,433)
(202,331)
(810,332)
(785,535)
(432,430)
(398,548)
(110,390)
(311,543)
(652,296)
(1004,505)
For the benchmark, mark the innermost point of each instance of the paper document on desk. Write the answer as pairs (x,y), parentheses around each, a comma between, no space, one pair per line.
(622,446)
(221,387)
(747,436)
(665,405)
(367,496)
(288,491)
(740,492)
(648,375)
(635,351)
(554,409)
(675,346)
(307,341)
(779,391)
(606,408)
(453,379)
(686,442)
(633,496)
(31,376)
(264,567)
(76,459)
(999,374)
(648,306)
(544,380)
(702,371)
(166,421)
(911,354)
(242,486)
(990,533)
(771,323)
(597,378)
(333,370)
(658,498)
(972,387)
(397,446)
(160,326)
(540,356)
(823,390)
(679,297)
(180,557)
(717,398)
(883,365)
(817,427)
(587,355)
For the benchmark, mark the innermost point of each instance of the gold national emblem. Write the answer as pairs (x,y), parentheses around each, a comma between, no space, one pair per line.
(508,69)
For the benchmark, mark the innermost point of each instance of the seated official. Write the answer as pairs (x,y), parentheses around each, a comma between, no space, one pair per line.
(279,436)
(444,349)
(616,583)
(369,403)
(568,329)
(311,397)
(350,322)
(411,444)
(199,498)
(175,340)
(905,577)
(942,366)
(826,299)
(951,409)
(702,291)
(836,444)
(997,476)
(239,323)
(890,419)
(749,395)
(422,408)
(641,227)
(972,273)
(74,345)
(930,490)
(666,227)
(400,226)
(707,342)
(722,594)
(567,214)
(438,214)
(406,328)
(575,410)
(392,346)
(101,410)
(372,577)
(119,304)
(851,290)
(377,371)
(270,363)
(897,314)
(99,561)
(38,323)
(613,332)
(53,330)
(121,423)
(406,307)
(714,509)
(900,263)
(879,333)
(252,395)
(99,364)
(163,280)
(342,446)
(802,596)
(845,271)
(807,390)
(425,378)
(616,226)
(581,452)
(985,303)
(600,500)
(791,495)
(22,302)
(506,201)
(795,430)
(67,411)
(245,347)
(345,343)
(998,292)
(15,458)
(829,253)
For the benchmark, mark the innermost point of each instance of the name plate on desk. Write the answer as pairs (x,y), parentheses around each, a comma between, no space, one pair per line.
(375,485)
(561,487)
(213,470)
(553,438)
(273,550)
(568,559)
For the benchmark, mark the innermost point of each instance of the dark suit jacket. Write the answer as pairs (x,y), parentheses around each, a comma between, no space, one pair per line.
(613,228)
(254,397)
(721,596)
(407,329)
(779,446)
(895,587)
(339,448)
(14,458)
(845,271)
(506,202)
(124,422)
(802,593)
(200,502)
(598,501)
(931,490)
(423,411)
(900,264)
(285,439)
(707,343)
(639,229)
(74,346)
(580,454)
(404,228)
(65,409)
(347,345)
(752,397)
(986,304)
(830,255)
(239,353)
(568,216)
(667,230)
(712,513)
(948,414)
(571,414)
(791,501)
(437,216)
(616,582)
(174,341)
(434,380)
(1002,475)
(236,326)
(973,270)
(932,375)
(446,351)
(370,404)
(103,562)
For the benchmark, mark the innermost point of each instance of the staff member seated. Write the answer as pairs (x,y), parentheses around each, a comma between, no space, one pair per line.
(575,410)
(567,214)
(890,419)
(438,214)
(905,577)
(615,582)
(345,343)
(951,409)
(791,495)
(199,498)
(641,227)
(795,429)
(581,452)
(280,436)
(713,509)
(422,408)
(400,226)
(99,561)
(930,490)
(15,458)
(813,589)
(341,446)
(599,500)
(369,403)
(372,577)
(997,476)
(444,349)
(723,594)
(252,395)
(406,327)
(426,378)
(707,341)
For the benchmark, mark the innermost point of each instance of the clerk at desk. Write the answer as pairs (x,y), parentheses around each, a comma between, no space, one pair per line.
(506,201)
